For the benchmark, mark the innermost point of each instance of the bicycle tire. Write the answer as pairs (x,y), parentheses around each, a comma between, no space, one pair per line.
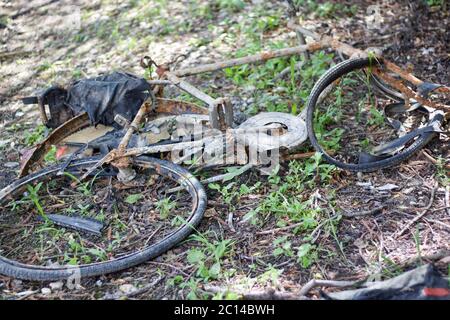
(379,84)
(325,80)
(167,169)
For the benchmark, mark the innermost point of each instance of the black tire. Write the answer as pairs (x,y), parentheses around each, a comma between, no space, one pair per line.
(385,89)
(329,77)
(164,168)
(379,84)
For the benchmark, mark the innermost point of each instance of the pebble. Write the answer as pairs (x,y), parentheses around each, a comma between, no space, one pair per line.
(56,285)
(127,288)
(388,187)
(11,165)
(46,291)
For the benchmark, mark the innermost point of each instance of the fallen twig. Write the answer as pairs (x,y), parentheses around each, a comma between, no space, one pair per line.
(326,283)
(144,288)
(447,198)
(363,213)
(230,221)
(437,222)
(433,160)
(418,217)
(431,257)
(304,155)
(429,157)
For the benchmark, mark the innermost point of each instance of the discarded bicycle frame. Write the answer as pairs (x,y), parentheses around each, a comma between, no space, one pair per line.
(219,110)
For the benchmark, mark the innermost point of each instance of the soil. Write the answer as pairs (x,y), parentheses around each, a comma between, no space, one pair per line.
(34,54)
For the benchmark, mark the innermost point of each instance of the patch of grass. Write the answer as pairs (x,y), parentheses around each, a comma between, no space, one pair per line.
(270,277)
(206,259)
(33,196)
(201,10)
(232,192)
(77,74)
(165,206)
(50,157)
(390,268)
(133,198)
(326,9)
(442,173)
(376,117)
(4,21)
(46,65)
(76,252)
(288,94)
(306,255)
(84,187)
(36,135)
(230,5)
(434,3)
(284,201)
(282,247)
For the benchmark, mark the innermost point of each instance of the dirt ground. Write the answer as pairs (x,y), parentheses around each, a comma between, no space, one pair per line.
(36,50)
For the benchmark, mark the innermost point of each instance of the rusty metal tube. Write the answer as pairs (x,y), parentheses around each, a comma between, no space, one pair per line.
(263,56)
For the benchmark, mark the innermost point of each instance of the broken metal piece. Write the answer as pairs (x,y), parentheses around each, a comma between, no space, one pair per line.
(81,121)
(76,223)
(426,87)
(220,110)
(121,121)
(59,134)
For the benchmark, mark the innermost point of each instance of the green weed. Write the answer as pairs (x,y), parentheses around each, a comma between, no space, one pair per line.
(36,135)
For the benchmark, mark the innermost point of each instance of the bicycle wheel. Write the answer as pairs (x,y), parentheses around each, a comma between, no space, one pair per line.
(347,124)
(382,87)
(136,221)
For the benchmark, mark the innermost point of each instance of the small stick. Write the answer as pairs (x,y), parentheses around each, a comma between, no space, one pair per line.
(260,57)
(438,222)
(144,288)
(325,283)
(429,157)
(230,221)
(363,213)
(447,198)
(305,155)
(418,217)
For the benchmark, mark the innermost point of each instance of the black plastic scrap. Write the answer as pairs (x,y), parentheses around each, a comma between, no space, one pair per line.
(105,96)
(423,283)
(77,223)
(101,97)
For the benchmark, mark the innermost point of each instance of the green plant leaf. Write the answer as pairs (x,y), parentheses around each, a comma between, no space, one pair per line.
(278,251)
(303,250)
(133,198)
(195,256)
(214,271)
